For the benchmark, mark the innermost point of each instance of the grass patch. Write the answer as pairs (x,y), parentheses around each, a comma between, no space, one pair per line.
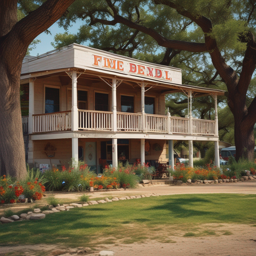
(227,233)
(84,198)
(188,234)
(8,213)
(133,220)
(51,200)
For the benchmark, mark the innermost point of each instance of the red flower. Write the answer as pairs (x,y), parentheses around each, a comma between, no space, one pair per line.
(2,201)
(12,201)
(100,187)
(63,168)
(35,181)
(10,186)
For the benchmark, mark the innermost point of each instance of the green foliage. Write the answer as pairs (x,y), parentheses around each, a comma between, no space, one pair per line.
(125,175)
(51,200)
(199,163)
(8,213)
(84,198)
(238,168)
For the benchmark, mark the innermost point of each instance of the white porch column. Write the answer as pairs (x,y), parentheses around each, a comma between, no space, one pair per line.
(30,121)
(216,116)
(142,151)
(114,122)
(143,106)
(74,109)
(31,106)
(190,148)
(114,153)
(190,112)
(217,154)
(75,154)
(216,143)
(171,154)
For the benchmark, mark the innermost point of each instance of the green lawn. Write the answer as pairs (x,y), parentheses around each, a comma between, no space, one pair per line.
(134,220)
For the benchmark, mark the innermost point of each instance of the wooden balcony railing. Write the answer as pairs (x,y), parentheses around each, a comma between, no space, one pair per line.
(129,122)
(126,122)
(203,127)
(58,121)
(94,120)
(156,123)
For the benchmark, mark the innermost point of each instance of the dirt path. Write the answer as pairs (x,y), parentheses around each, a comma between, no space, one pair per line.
(240,240)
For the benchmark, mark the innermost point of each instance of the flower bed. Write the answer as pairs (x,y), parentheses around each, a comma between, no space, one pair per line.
(184,173)
(11,190)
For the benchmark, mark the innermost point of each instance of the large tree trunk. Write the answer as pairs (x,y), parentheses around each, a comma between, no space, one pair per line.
(15,38)
(244,141)
(12,153)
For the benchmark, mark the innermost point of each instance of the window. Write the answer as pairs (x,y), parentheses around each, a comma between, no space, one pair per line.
(82,100)
(127,104)
(52,100)
(149,105)
(101,101)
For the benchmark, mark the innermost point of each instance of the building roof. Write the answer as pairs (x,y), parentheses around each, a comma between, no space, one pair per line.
(100,63)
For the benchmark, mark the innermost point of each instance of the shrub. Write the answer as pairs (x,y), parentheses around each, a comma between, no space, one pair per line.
(9,193)
(84,198)
(8,213)
(238,168)
(51,200)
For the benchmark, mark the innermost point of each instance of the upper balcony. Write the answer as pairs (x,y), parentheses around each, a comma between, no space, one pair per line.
(102,121)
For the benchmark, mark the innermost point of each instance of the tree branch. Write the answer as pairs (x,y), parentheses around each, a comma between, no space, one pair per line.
(225,71)
(248,66)
(8,16)
(250,118)
(24,31)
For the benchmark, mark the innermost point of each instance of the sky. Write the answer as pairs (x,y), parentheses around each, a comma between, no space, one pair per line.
(46,39)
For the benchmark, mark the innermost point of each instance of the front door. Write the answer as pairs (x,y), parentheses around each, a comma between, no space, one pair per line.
(90,155)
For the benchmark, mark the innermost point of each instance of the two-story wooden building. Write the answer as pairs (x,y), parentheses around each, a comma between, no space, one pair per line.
(100,107)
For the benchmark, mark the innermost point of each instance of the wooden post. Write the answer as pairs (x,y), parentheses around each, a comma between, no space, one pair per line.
(168,123)
(143,121)
(31,106)
(114,127)
(171,154)
(142,151)
(216,143)
(75,156)
(190,146)
(31,121)
(190,112)
(114,153)
(74,110)
(217,154)
(216,116)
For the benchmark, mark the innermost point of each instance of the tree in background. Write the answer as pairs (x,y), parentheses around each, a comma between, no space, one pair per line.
(208,39)
(15,37)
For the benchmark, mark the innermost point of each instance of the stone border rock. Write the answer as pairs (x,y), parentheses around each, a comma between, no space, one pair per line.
(37,214)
